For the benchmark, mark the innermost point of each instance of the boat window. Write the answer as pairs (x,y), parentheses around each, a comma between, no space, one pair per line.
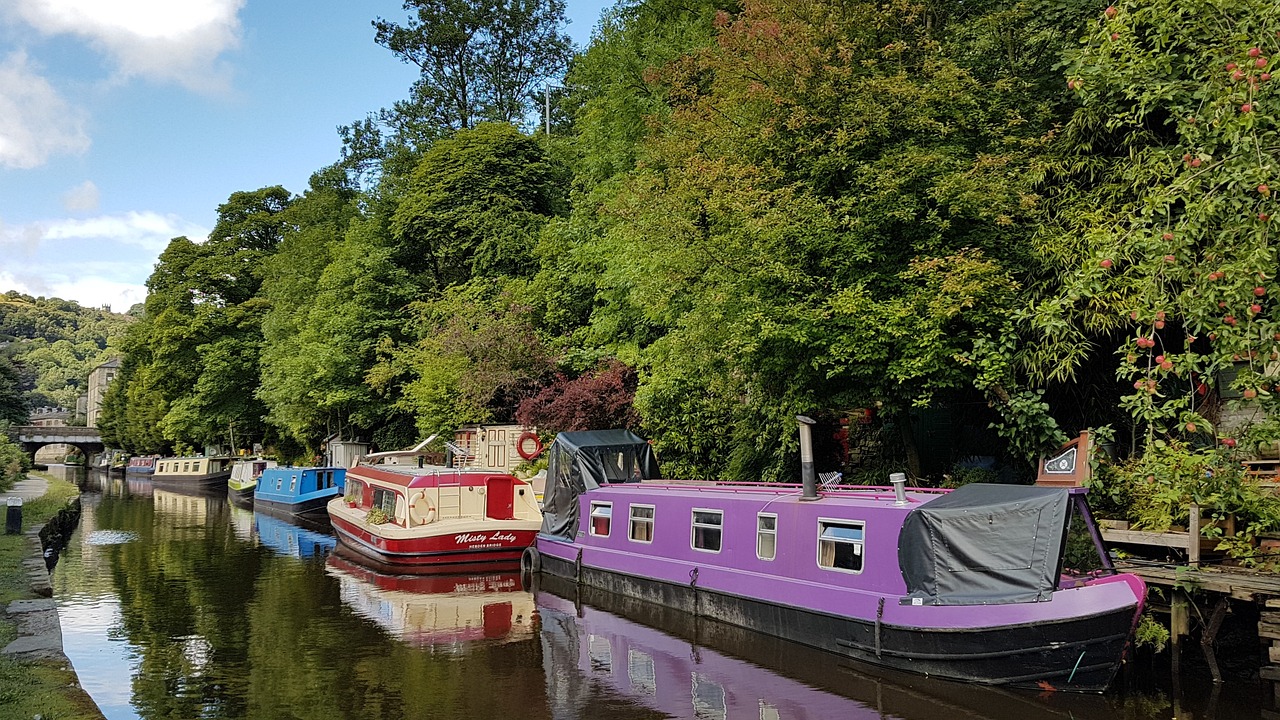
(293,483)
(186,466)
(385,500)
(766,536)
(642,523)
(707,526)
(601,518)
(840,545)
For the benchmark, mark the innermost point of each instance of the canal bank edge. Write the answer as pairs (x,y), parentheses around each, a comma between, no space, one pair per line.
(40,678)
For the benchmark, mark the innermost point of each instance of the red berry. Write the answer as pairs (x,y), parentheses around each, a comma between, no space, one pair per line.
(1166,365)
(1110,11)
(1246,108)
(1264,217)
(1250,393)
(1264,77)
(1264,189)
(1237,75)
(1230,320)
(1195,162)
(1229,442)
(1106,264)
(1231,66)
(1167,236)
(1170,259)
(1259,291)
(1255,52)
(1255,308)
(1115,36)
(1191,427)
(1159,358)
(1260,63)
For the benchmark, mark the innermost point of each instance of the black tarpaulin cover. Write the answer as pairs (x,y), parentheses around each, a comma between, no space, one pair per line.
(581,461)
(984,544)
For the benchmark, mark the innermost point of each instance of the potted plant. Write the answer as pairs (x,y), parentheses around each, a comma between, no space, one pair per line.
(376,516)
(350,499)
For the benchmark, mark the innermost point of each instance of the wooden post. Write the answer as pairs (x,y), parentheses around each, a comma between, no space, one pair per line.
(1179,625)
(1193,536)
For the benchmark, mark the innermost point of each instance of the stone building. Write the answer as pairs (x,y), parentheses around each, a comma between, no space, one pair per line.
(99,379)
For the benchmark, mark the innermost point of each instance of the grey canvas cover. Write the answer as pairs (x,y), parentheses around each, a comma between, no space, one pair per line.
(984,544)
(585,460)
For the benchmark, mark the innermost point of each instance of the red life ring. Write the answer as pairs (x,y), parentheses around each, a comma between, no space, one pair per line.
(537,445)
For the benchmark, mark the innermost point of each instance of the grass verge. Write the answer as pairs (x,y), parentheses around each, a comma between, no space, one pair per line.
(40,688)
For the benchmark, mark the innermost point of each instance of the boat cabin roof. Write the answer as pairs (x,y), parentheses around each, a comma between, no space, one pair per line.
(410,476)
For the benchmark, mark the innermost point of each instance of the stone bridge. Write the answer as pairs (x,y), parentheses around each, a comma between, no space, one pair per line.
(34,437)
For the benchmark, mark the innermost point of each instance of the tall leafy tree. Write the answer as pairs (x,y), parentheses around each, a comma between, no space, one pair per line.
(13,408)
(480,60)
(1159,248)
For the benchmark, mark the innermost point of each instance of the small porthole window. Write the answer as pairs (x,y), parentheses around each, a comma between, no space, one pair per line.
(601,518)
(293,483)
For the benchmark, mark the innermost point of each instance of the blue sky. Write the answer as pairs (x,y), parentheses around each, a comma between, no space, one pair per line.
(125,123)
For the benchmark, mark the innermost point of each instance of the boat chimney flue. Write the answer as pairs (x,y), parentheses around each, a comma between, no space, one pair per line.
(808,480)
(899,482)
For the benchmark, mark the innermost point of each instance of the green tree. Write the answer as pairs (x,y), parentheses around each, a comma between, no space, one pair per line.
(475,206)
(13,408)
(480,60)
(1158,249)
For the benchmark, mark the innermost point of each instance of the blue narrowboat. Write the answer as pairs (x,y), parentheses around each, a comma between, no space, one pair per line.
(300,491)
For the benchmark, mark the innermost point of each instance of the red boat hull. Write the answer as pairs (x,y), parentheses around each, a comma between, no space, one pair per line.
(458,551)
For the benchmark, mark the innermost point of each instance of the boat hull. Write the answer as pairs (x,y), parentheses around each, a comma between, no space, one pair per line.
(457,547)
(208,481)
(1079,653)
(241,497)
(311,507)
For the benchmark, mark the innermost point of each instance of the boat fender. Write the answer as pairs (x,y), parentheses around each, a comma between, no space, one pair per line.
(525,437)
(530,561)
(421,511)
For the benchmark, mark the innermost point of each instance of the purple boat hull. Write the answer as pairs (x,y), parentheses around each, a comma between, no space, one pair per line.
(1074,639)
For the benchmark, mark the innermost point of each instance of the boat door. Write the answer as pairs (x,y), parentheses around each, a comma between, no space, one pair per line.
(500,496)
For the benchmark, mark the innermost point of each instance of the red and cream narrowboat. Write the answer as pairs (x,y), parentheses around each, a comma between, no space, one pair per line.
(412,517)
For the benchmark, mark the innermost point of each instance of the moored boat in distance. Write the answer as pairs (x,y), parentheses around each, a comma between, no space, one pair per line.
(200,471)
(412,517)
(244,479)
(966,585)
(300,491)
(141,465)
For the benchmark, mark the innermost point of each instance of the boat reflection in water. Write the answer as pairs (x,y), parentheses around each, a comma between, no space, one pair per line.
(300,540)
(438,612)
(688,667)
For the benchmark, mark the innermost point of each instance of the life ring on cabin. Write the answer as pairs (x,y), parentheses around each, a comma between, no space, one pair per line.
(530,561)
(421,511)
(537,445)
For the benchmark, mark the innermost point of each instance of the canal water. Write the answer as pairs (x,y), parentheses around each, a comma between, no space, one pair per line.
(178,605)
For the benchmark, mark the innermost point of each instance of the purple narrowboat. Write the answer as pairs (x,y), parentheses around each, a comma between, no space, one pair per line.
(967,585)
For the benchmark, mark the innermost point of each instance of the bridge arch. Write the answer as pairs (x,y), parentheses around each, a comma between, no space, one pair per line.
(33,437)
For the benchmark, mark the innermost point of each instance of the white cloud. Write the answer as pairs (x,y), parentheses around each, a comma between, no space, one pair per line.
(167,40)
(35,121)
(94,261)
(88,291)
(81,198)
(147,230)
